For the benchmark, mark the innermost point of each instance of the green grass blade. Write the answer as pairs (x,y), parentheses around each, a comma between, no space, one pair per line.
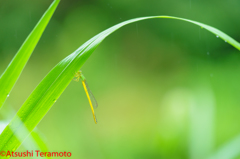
(14,69)
(39,140)
(52,86)
(35,141)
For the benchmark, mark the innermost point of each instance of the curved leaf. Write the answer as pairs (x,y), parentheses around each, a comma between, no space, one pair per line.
(52,86)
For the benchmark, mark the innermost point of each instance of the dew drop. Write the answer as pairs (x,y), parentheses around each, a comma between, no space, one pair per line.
(225,41)
(207,53)
(8,95)
(217,36)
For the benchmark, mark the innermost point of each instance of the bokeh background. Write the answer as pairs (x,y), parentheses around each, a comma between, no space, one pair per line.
(166,89)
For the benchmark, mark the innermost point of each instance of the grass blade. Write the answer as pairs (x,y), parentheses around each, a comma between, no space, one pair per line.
(35,141)
(14,69)
(39,140)
(52,86)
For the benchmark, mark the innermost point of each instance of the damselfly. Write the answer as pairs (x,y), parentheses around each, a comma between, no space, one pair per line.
(91,99)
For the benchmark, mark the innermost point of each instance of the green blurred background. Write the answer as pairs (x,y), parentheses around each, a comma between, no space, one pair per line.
(165,88)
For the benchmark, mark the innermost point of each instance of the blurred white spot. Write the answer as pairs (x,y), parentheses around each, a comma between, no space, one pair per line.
(3,124)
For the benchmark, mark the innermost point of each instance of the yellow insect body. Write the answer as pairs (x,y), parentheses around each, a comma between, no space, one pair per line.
(91,99)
